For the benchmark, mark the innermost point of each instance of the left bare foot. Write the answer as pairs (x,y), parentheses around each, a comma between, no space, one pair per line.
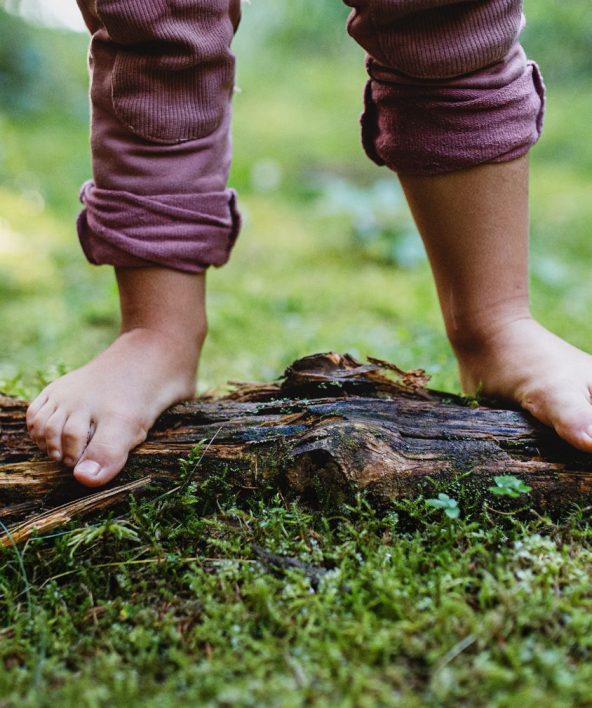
(92,417)
(523,362)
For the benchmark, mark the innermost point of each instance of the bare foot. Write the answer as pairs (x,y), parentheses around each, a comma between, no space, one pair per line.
(91,418)
(523,362)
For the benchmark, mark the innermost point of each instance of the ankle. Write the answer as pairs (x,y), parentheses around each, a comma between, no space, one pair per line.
(165,301)
(191,337)
(478,337)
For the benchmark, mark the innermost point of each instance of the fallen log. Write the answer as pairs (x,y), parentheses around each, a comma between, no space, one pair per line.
(331,426)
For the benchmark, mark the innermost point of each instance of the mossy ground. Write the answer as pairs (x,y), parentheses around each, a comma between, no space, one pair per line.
(168,603)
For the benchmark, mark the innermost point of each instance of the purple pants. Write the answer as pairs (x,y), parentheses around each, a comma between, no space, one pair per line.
(450,88)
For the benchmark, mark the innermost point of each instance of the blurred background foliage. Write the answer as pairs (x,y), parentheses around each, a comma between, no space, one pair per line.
(329,257)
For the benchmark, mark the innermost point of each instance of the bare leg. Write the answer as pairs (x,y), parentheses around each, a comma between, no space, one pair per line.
(475,227)
(92,417)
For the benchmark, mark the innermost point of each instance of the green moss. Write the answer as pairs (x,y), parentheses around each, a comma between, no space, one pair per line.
(179,608)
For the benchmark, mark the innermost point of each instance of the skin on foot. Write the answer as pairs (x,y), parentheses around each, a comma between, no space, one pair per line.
(523,362)
(91,418)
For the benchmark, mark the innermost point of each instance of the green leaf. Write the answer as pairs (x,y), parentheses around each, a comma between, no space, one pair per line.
(449,505)
(452,512)
(510,486)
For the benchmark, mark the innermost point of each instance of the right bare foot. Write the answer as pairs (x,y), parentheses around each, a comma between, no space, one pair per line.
(92,417)
(521,361)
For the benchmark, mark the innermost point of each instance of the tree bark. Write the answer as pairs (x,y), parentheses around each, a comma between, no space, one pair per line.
(331,427)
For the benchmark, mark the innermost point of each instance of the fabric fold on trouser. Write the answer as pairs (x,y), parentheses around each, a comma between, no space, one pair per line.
(491,116)
(186,232)
(450,86)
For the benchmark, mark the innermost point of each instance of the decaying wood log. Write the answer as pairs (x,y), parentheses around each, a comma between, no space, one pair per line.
(330,425)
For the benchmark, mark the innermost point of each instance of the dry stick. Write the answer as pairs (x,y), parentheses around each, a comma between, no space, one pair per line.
(66,512)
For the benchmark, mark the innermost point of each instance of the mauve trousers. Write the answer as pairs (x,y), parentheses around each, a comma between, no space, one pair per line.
(450,88)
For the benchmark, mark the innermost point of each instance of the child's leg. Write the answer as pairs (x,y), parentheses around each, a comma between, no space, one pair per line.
(453,107)
(158,210)
(475,227)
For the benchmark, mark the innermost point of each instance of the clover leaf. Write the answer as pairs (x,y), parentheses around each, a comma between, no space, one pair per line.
(509,486)
(449,505)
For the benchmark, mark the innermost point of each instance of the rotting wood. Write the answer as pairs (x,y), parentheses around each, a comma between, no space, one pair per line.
(331,424)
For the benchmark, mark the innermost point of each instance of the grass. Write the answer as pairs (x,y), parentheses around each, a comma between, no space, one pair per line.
(170,602)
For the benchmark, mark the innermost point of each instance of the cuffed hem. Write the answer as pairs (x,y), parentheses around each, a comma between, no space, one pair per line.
(186,232)
(433,129)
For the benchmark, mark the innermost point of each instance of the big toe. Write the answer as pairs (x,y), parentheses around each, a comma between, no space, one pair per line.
(107,452)
(576,427)
(569,411)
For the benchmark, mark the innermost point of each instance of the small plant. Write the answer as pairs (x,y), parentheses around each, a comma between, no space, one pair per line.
(509,486)
(448,504)
(188,465)
(91,535)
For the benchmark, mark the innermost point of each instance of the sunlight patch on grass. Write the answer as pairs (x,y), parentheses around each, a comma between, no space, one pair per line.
(27,238)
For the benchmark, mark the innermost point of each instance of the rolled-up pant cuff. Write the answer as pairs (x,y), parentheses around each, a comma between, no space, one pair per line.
(420,127)
(187,232)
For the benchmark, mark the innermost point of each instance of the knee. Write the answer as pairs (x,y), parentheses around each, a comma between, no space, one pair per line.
(167,65)
(436,39)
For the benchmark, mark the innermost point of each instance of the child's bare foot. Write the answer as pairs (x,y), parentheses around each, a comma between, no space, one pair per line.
(524,362)
(91,418)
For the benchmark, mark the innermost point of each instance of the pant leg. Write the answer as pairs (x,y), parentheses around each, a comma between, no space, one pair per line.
(450,86)
(162,76)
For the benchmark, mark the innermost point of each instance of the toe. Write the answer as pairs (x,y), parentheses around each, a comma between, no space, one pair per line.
(575,427)
(107,451)
(53,433)
(582,440)
(75,436)
(38,423)
(35,407)
(570,413)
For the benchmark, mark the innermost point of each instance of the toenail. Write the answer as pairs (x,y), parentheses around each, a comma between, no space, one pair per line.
(89,467)
(55,454)
(69,461)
